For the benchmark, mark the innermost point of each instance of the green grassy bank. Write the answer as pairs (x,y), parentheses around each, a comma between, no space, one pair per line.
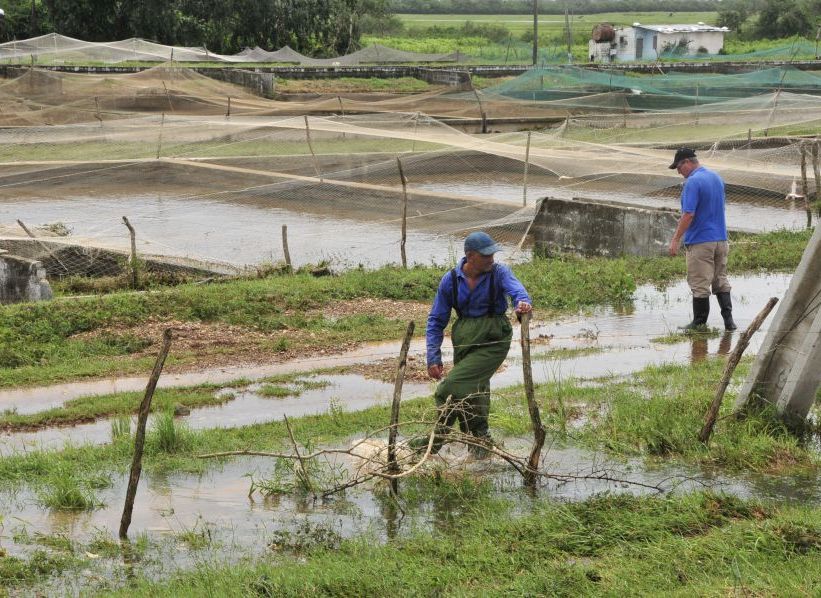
(69,339)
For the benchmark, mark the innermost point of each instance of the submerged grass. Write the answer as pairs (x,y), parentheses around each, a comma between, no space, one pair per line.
(64,490)
(168,435)
(38,342)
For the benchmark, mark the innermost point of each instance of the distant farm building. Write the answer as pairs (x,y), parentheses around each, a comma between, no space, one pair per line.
(650,42)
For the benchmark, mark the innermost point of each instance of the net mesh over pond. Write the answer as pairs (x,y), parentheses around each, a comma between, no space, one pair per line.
(208,173)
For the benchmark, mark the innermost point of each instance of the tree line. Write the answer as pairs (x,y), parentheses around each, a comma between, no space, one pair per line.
(313,27)
(334,27)
(772,19)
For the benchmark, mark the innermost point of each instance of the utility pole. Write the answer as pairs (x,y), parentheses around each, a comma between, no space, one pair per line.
(817,37)
(535,32)
(569,33)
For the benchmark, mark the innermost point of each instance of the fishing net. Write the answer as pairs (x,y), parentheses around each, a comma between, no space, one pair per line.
(209,173)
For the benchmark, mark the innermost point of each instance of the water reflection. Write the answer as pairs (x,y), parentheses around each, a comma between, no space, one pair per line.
(699,346)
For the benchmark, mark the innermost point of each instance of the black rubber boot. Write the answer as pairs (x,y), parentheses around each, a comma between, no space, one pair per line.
(701,310)
(726,305)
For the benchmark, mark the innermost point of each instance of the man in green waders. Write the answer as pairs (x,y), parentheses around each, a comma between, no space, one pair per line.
(477,290)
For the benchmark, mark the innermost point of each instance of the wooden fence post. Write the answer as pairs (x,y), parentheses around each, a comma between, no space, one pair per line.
(805,188)
(285,247)
(139,437)
(397,397)
(311,147)
(539,433)
(404,213)
(134,277)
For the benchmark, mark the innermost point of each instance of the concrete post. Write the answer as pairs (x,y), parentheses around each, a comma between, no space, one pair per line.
(787,370)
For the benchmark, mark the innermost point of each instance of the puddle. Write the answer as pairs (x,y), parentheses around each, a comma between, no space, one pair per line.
(347,392)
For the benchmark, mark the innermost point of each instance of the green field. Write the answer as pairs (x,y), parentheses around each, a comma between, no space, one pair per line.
(518,24)
(507,38)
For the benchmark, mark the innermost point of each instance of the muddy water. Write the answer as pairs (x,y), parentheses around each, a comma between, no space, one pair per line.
(231,233)
(347,392)
(623,338)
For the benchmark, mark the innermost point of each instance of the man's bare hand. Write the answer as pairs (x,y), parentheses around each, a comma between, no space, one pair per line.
(524,308)
(435,371)
(674,245)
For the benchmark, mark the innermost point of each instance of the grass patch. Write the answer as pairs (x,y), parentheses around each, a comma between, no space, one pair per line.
(561,353)
(659,412)
(679,337)
(167,435)
(276,391)
(15,571)
(353,85)
(66,491)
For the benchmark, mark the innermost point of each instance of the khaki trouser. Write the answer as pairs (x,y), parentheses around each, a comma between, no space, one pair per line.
(707,268)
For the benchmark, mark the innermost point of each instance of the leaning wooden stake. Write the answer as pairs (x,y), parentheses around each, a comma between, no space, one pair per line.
(527,167)
(285,247)
(397,397)
(732,362)
(139,437)
(133,261)
(404,213)
(311,147)
(539,433)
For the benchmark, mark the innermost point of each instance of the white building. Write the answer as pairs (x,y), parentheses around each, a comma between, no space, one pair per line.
(648,42)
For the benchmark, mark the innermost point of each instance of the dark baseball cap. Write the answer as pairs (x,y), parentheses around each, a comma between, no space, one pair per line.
(682,154)
(481,242)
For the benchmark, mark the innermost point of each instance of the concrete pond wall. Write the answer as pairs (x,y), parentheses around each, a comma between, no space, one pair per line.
(592,227)
(22,279)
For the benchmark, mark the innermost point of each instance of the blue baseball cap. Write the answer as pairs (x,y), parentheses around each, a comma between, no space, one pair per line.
(481,242)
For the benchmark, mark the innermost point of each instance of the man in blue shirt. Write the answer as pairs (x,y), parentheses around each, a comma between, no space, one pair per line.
(477,289)
(704,229)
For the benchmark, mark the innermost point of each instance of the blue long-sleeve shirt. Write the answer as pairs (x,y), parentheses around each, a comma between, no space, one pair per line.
(472,304)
